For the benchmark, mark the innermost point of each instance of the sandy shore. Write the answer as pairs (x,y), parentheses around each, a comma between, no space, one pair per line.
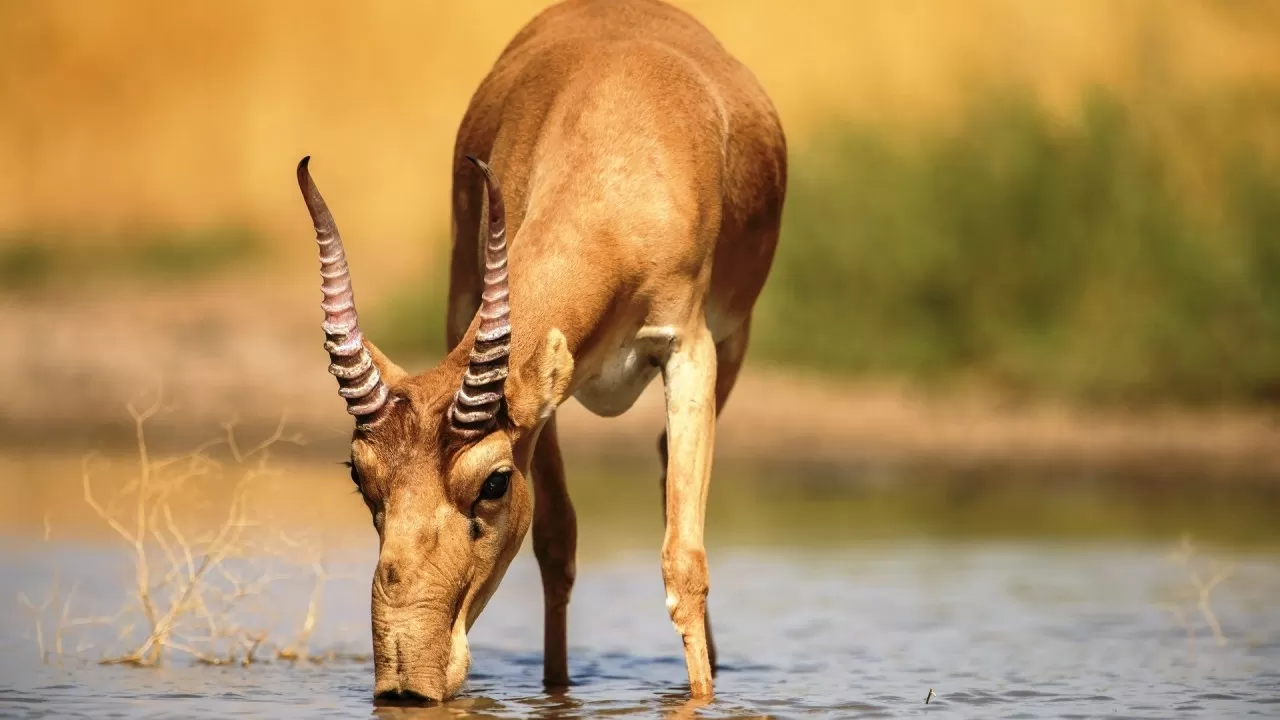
(69,367)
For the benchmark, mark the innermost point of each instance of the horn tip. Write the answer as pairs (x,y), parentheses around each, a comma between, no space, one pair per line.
(304,174)
(490,179)
(482,165)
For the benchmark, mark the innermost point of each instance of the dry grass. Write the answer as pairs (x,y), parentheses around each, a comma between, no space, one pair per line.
(200,582)
(1195,595)
(141,112)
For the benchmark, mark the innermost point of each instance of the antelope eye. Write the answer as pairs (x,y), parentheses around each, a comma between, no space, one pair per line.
(495,486)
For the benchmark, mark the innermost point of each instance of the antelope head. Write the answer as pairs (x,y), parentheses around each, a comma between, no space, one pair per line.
(441,459)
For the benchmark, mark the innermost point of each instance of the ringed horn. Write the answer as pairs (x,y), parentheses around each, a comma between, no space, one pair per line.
(350,362)
(477,403)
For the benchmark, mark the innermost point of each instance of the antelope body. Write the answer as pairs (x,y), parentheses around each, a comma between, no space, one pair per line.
(638,171)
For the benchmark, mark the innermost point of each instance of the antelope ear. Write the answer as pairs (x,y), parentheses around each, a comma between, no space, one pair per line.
(391,373)
(555,370)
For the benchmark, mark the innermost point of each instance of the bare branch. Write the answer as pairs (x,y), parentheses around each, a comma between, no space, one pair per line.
(102,512)
(192,586)
(1201,593)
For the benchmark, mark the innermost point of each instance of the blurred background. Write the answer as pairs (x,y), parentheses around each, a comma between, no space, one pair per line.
(1027,292)
(1028,283)
(1046,233)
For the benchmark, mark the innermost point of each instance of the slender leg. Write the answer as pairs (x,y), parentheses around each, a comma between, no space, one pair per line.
(689,375)
(555,540)
(730,353)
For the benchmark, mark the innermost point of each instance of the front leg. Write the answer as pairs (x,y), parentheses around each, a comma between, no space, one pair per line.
(555,540)
(730,353)
(689,375)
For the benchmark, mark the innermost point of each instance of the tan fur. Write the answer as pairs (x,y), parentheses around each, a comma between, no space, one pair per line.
(643,170)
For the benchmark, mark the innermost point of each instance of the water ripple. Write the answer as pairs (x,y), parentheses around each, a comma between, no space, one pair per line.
(992,631)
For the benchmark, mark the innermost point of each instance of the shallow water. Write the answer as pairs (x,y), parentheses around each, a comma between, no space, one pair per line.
(994,630)
(835,624)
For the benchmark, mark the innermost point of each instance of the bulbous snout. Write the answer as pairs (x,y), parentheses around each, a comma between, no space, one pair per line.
(420,650)
(436,569)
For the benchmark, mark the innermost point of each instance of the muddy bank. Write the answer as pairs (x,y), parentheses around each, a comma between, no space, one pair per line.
(70,367)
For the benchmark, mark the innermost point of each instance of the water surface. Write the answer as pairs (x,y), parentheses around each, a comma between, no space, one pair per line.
(834,623)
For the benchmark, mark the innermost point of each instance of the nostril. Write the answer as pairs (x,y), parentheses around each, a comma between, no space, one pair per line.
(390,576)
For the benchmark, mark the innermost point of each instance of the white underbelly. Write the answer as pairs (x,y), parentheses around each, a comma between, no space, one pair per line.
(624,373)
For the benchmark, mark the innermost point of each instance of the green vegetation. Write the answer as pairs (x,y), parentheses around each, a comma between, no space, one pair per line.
(1123,257)
(34,260)
(411,321)
(1130,255)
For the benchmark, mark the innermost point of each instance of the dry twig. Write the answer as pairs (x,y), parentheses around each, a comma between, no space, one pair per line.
(1201,594)
(189,587)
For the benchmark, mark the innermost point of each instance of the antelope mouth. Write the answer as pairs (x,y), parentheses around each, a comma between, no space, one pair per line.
(402,698)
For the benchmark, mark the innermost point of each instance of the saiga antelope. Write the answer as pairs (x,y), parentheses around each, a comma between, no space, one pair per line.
(639,171)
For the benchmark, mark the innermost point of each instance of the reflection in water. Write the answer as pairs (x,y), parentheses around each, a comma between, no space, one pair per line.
(831,596)
(675,705)
(860,630)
